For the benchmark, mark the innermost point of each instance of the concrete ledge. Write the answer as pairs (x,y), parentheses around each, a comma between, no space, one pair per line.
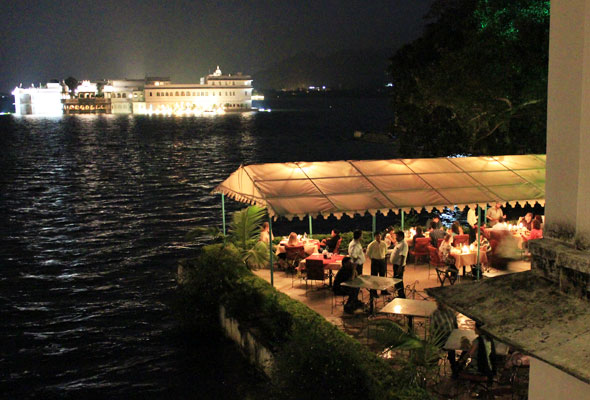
(529,313)
(562,264)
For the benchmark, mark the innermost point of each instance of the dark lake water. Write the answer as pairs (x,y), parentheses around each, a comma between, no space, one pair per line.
(93,213)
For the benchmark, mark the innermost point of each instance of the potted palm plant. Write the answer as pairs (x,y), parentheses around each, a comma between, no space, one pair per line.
(243,236)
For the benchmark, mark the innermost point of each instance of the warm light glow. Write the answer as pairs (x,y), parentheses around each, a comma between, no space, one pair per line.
(465,249)
(397,309)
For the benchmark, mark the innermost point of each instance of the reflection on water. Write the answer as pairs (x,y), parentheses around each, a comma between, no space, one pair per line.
(93,212)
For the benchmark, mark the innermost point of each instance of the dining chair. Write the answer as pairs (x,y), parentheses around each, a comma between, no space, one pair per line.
(338,299)
(293,256)
(461,240)
(420,249)
(337,247)
(433,259)
(314,271)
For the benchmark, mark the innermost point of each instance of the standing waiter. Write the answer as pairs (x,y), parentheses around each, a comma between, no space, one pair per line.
(377,251)
(398,259)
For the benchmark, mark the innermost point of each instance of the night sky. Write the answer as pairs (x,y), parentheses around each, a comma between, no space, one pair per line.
(52,39)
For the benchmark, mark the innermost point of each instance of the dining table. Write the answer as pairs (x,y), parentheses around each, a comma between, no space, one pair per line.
(517,236)
(332,262)
(372,282)
(467,256)
(410,308)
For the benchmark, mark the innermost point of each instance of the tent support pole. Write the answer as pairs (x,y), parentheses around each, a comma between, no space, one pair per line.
(223,211)
(272,282)
(478,240)
(374,225)
(402,212)
(310,228)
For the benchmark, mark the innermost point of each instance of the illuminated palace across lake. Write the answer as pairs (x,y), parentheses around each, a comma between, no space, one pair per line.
(216,94)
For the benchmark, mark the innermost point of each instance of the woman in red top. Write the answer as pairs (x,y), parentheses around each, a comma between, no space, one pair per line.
(535,233)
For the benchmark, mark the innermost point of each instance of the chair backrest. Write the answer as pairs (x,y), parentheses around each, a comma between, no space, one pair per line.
(337,248)
(461,239)
(314,269)
(434,257)
(294,252)
(422,245)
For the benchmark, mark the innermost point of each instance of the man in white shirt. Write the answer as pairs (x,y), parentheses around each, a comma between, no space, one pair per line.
(355,251)
(377,251)
(501,225)
(398,259)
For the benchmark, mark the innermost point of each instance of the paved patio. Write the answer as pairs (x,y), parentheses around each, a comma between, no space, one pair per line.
(320,299)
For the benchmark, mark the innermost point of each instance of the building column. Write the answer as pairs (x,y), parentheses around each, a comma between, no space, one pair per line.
(568,117)
(567,194)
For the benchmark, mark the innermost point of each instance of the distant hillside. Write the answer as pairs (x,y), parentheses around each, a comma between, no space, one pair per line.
(347,69)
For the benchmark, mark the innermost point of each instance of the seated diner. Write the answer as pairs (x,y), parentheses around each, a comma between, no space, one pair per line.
(346,273)
(293,240)
(481,356)
(419,234)
(526,221)
(434,234)
(331,243)
(501,225)
(265,234)
(444,253)
(456,228)
(535,233)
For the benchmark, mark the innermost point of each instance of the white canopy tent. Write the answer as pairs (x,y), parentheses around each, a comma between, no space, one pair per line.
(297,189)
(349,187)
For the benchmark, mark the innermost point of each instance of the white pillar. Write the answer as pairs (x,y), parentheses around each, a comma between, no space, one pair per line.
(567,198)
(548,382)
(568,116)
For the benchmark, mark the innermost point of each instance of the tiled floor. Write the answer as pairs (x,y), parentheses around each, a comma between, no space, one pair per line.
(320,299)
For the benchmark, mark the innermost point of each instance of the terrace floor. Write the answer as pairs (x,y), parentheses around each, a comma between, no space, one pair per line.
(320,299)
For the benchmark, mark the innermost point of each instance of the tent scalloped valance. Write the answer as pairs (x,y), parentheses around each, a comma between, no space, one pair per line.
(299,189)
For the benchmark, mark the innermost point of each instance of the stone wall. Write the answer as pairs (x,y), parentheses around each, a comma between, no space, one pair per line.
(257,354)
(561,263)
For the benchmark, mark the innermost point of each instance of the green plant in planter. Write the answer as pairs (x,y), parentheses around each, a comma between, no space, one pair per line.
(244,232)
(420,367)
(212,233)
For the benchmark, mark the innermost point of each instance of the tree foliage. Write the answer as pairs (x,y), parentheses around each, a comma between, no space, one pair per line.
(243,237)
(475,82)
(71,83)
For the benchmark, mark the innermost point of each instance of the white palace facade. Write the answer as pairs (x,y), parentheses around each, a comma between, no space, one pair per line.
(215,94)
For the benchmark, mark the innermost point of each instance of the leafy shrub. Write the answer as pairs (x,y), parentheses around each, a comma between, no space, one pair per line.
(208,277)
(313,358)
